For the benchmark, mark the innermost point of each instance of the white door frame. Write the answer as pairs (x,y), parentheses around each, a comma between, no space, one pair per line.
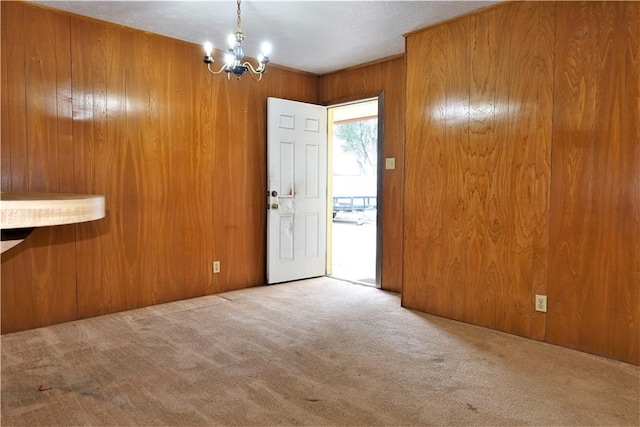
(380,178)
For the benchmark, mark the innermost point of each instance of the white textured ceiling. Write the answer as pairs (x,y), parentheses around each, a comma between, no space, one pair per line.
(314,36)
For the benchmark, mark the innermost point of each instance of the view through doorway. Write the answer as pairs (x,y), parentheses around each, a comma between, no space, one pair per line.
(353,143)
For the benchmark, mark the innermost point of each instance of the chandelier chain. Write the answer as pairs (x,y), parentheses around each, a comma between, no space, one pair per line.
(239,21)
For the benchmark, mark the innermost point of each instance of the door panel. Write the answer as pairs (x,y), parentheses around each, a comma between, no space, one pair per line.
(297,199)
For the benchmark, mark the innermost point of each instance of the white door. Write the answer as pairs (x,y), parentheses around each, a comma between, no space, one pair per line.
(297,186)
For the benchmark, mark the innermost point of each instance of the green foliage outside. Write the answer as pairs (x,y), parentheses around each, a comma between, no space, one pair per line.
(360,139)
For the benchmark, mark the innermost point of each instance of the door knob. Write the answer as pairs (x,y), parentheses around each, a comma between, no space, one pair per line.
(275,206)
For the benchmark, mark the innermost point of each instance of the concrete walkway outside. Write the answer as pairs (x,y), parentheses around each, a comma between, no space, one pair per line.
(354,247)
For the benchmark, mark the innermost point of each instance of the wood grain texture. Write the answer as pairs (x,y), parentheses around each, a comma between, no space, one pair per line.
(471,168)
(522,171)
(484,237)
(13,130)
(366,82)
(5,153)
(423,230)
(544,120)
(626,341)
(41,148)
(180,156)
(593,284)
(94,166)
(511,213)
(197,163)
(456,157)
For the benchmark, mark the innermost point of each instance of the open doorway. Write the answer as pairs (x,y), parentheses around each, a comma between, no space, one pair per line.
(353,188)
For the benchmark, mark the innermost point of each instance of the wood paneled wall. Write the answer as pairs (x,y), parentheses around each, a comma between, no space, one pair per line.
(366,82)
(522,172)
(91,107)
(37,155)
(594,240)
(521,168)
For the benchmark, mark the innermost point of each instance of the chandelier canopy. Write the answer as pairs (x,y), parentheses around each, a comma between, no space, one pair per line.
(234,56)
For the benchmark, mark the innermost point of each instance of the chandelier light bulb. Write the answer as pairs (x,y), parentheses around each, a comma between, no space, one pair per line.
(208,48)
(265,49)
(231,40)
(229,58)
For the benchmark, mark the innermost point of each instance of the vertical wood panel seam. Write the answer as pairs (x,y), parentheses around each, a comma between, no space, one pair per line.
(552,73)
(73,163)
(5,77)
(27,186)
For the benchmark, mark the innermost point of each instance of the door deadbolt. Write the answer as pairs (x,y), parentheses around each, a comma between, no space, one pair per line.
(274,193)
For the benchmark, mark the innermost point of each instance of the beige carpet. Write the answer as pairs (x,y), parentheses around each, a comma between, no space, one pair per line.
(316,352)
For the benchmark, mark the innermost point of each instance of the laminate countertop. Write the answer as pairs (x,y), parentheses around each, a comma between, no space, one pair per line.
(27,210)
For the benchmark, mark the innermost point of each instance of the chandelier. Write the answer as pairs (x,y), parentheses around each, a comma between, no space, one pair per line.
(235,54)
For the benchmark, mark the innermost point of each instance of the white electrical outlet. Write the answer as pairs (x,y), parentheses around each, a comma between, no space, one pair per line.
(541,303)
(216,266)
